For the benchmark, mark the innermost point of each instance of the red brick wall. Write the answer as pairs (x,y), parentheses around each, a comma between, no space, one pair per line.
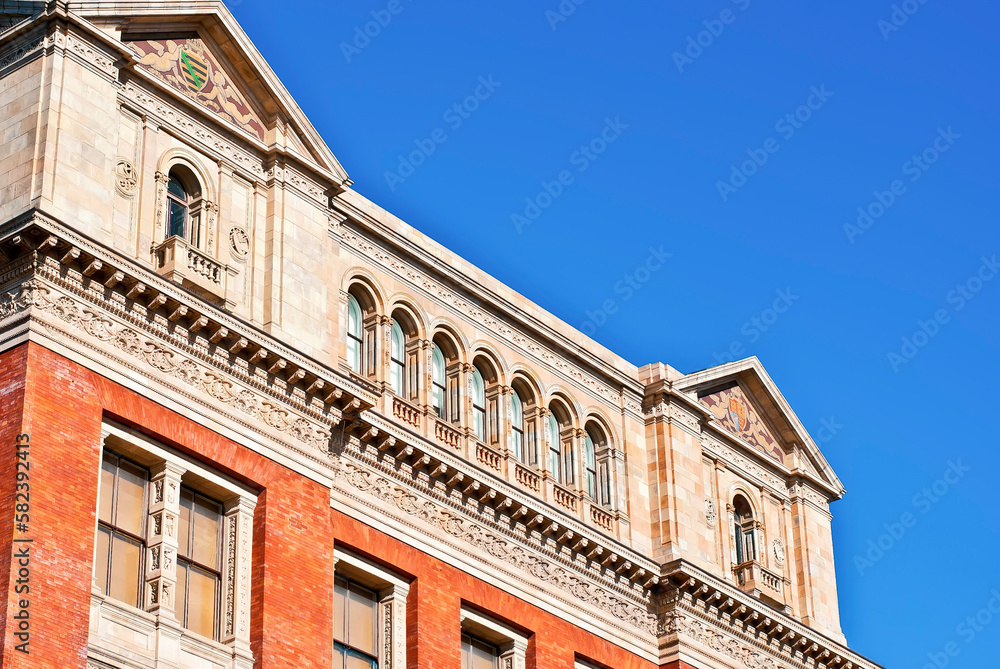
(12,369)
(294,533)
(292,567)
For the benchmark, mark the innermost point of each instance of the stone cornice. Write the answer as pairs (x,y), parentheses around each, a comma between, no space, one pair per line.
(726,620)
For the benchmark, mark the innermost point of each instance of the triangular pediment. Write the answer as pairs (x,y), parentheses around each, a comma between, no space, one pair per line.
(746,404)
(199,51)
(733,407)
(190,66)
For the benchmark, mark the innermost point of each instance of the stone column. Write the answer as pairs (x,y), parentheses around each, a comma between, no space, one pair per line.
(161,538)
(160,594)
(392,627)
(513,653)
(237,548)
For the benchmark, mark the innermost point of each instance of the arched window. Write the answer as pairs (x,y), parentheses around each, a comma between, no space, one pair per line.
(744,530)
(517,426)
(355,334)
(590,465)
(555,459)
(183,206)
(478,404)
(439,389)
(397,359)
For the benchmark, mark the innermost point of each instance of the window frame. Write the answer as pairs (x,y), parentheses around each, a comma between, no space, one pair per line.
(439,382)
(391,591)
(169,471)
(191,563)
(511,645)
(353,586)
(555,449)
(397,359)
(517,443)
(479,424)
(354,361)
(112,527)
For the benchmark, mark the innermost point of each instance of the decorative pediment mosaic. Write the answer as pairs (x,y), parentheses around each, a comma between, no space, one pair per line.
(187,65)
(736,413)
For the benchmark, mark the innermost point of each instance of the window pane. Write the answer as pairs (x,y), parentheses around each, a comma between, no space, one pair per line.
(207,519)
(339,610)
(479,423)
(130,511)
(353,317)
(107,493)
(184,527)
(201,602)
(101,558)
(354,354)
(396,375)
(398,340)
(338,656)
(438,366)
(125,558)
(175,187)
(178,214)
(181,596)
(589,444)
(359,661)
(483,656)
(361,620)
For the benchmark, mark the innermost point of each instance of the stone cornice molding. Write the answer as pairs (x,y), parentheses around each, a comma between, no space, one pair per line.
(507,329)
(723,618)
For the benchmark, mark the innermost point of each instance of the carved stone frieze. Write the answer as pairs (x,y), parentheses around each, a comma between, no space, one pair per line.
(21,50)
(155,356)
(480,536)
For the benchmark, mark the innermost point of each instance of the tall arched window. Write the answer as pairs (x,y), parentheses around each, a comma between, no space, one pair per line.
(355,334)
(744,530)
(517,426)
(397,359)
(439,389)
(478,404)
(183,206)
(555,459)
(590,465)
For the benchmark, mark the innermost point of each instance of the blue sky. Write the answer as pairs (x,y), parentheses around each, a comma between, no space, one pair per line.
(897,119)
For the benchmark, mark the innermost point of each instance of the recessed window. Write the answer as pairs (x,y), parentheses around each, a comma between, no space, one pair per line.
(517,425)
(555,454)
(397,359)
(478,404)
(355,629)
(590,465)
(121,529)
(183,206)
(477,654)
(744,530)
(199,538)
(439,390)
(355,334)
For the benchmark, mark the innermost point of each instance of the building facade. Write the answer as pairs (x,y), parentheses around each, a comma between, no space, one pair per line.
(252,419)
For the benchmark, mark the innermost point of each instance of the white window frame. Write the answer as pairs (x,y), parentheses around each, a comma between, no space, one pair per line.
(511,644)
(392,591)
(155,620)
